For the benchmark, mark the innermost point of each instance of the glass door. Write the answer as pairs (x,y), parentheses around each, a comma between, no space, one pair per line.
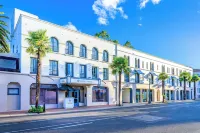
(76,98)
(137,95)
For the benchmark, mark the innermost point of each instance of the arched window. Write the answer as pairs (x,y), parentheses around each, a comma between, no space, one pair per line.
(105,56)
(54,44)
(83,51)
(69,48)
(95,54)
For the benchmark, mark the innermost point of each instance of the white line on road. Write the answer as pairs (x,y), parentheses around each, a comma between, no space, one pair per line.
(71,126)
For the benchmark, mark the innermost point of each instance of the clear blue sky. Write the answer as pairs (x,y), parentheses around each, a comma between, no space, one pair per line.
(168,28)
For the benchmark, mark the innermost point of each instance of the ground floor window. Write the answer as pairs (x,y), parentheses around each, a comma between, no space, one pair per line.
(144,95)
(99,94)
(46,96)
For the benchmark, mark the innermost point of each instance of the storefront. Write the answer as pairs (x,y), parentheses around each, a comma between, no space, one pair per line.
(142,95)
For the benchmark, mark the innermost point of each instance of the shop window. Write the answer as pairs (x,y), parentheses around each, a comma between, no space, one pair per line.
(46,96)
(99,94)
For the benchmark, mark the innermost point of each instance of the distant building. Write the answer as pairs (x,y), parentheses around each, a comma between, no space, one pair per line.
(79,67)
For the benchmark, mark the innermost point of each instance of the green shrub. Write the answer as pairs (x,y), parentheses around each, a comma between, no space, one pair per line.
(36,110)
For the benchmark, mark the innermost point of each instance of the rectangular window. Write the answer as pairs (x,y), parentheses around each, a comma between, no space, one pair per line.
(47,96)
(172,71)
(198,90)
(163,68)
(189,84)
(99,94)
(94,72)
(157,68)
(136,63)
(82,71)
(53,68)
(126,77)
(128,60)
(105,74)
(33,66)
(142,64)
(147,67)
(13,91)
(177,71)
(151,66)
(69,69)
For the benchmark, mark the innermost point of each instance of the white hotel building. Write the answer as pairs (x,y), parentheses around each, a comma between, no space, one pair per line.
(79,67)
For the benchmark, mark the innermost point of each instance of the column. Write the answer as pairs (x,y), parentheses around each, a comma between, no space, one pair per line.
(3,97)
(25,96)
(89,96)
(133,93)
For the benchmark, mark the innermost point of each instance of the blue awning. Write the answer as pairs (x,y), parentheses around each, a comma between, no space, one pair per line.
(174,77)
(153,73)
(138,71)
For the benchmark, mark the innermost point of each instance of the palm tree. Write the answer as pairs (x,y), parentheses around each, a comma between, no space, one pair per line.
(128,44)
(118,66)
(4,47)
(115,41)
(194,79)
(103,34)
(39,46)
(163,77)
(185,76)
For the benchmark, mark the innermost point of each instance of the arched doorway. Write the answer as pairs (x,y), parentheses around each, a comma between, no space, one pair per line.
(158,95)
(13,96)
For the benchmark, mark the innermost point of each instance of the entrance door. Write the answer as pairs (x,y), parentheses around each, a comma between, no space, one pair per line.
(151,95)
(76,98)
(177,95)
(13,99)
(137,95)
(75,95)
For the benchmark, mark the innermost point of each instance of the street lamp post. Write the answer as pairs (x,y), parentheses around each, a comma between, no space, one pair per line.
(149,88)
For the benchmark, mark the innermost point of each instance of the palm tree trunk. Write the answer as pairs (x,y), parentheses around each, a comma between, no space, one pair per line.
(38,76)
(194,90)
(184,89)
(163,90)
(119,89)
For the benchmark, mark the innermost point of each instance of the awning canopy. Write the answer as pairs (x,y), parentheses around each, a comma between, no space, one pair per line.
(138,71)
(45,86)
(151,73)
(66,88)
(174,77)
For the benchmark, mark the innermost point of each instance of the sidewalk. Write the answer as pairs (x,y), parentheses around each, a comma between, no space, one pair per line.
(81,109)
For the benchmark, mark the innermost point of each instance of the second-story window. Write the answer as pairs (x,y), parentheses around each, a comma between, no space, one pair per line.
(54,44)
(136,63)
(105,56)
(151,66)
(143,64)
(137,78)
(126,78)
(95,54)
(69,48)
(94,72)
(82,71)
(83,51)
(177,71)
(105,74)
(53,68)
(33,66)
(69,69)
(173,71)
(163,68)
(147,65)
(173,81)
(151,79)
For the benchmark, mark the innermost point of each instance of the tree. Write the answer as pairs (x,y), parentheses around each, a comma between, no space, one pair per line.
(38,45)
(163,77)
(103,34)
(185,76)
(4,33)
(119,65)
(115,41)
(194,79)
(128,45)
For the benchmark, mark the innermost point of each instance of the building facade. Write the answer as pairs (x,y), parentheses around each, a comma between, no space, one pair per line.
(197,71)
(79,67)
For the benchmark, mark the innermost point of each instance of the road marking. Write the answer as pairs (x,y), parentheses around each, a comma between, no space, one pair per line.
(146,118)
(71,126)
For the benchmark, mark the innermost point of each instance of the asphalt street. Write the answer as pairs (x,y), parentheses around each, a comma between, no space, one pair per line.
(163,118)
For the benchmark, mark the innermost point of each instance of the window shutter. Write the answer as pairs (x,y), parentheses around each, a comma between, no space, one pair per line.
(132,78)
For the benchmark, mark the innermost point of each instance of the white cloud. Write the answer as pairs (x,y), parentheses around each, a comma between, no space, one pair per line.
(144,2)
(156,1)
(140,25)
(106,9)
(70,26)
(198,12)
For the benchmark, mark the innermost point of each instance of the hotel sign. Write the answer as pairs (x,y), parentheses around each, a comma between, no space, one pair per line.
(72,80)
